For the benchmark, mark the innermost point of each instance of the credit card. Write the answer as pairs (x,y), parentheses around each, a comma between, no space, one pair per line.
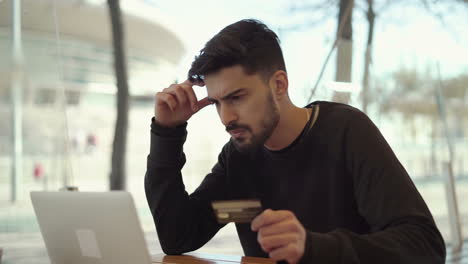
(238,211)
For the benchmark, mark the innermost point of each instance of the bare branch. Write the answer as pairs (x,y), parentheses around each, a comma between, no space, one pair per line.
(359,6)
(302,12)
(385,6)
(307,7)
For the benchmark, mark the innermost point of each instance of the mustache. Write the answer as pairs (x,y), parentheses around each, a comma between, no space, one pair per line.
(234,126)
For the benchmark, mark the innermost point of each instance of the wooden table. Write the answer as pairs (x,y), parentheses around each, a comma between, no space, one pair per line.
(199,258)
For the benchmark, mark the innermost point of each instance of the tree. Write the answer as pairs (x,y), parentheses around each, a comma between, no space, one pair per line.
(344,54)
(344,44)
(117,175)
(344,34)
(413,94)
(370,14)
(343,41)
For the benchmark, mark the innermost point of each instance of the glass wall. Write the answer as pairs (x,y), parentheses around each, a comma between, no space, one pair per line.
(33,126)
(66,113)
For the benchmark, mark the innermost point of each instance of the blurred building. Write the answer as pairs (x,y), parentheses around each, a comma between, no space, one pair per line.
(69,82)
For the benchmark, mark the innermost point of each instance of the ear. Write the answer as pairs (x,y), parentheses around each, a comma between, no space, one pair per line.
(279,84)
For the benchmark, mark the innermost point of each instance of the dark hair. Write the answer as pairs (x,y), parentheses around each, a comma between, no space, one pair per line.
(248,43)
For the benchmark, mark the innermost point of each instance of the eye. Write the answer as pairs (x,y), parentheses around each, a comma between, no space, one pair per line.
(235,98)
(213,102)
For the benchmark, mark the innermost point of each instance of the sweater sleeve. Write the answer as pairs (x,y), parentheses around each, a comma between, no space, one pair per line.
(183,222)
(403,230)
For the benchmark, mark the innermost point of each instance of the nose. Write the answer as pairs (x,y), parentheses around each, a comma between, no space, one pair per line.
(227,114)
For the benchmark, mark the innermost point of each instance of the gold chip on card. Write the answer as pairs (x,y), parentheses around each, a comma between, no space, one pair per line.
(238,211)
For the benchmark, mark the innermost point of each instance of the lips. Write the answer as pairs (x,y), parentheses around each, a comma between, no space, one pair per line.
(236,133)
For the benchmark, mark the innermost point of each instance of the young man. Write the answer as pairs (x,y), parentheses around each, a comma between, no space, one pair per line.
(332,189)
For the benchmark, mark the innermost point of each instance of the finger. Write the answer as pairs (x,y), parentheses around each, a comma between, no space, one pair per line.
(203,103)
(269,217)
(192,97)
(166,98)
(171,88)
(288,225)
(180,95)
(188,82)
(288,253)
(270,243)
(197,82)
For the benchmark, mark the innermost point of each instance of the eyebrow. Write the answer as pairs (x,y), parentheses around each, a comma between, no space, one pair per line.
(212,100)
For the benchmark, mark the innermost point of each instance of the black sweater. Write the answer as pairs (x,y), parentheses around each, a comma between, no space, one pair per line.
(340,178)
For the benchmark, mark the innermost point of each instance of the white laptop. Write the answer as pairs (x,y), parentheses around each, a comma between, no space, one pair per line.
(90,227)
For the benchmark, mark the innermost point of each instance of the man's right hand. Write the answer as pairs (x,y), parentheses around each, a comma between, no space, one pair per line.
(176,104)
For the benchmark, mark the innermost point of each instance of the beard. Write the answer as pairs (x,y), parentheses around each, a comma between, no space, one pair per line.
(267,126)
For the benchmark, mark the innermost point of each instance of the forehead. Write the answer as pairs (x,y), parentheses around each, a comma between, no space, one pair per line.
(230,79)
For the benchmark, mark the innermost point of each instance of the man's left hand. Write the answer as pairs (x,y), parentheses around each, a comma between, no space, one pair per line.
(280,234)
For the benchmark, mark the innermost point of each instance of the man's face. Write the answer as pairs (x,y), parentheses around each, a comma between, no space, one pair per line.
(245,105)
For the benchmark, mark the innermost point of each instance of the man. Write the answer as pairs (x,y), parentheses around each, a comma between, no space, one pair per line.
(332,189)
